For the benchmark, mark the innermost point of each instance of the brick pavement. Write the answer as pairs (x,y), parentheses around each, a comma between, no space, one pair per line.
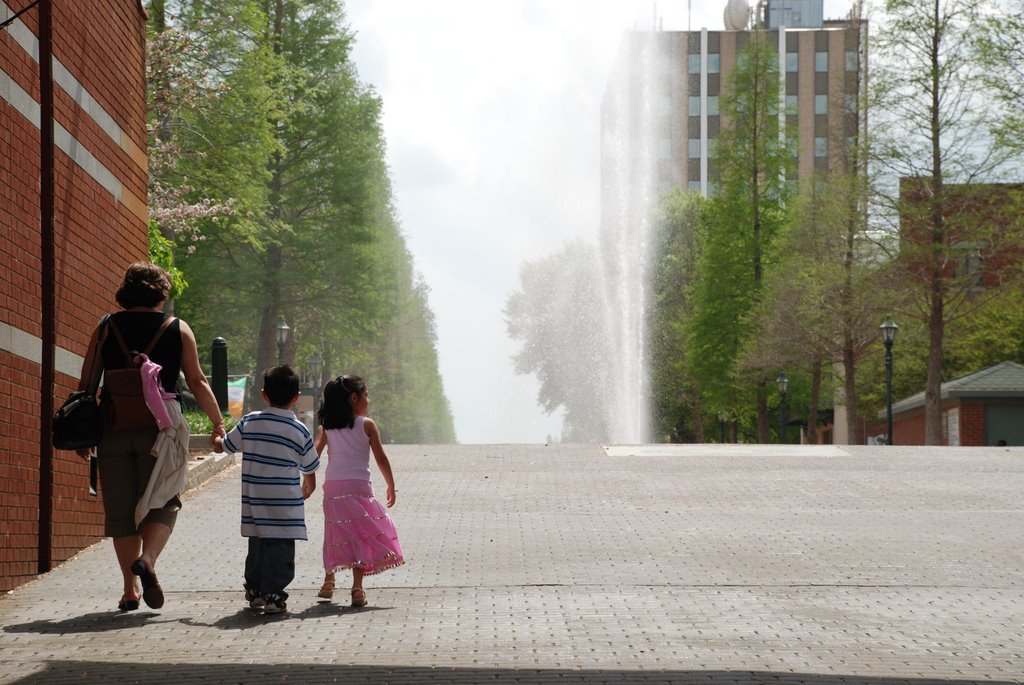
(573,564)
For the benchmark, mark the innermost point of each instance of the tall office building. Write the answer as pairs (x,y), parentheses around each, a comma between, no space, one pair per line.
(661,109)
(661,114)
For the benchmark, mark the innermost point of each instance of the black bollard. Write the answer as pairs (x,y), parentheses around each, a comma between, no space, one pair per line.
(220,373)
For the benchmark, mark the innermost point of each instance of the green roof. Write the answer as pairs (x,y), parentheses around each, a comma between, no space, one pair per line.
(1004,380)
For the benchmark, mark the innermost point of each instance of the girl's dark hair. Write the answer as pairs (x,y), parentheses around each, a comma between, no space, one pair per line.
(337,411)
(145,285)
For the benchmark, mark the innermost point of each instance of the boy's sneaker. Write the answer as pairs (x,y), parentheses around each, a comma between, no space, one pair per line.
(274,604)
(255,601)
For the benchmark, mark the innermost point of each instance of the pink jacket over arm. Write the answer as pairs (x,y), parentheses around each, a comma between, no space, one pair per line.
(153,392)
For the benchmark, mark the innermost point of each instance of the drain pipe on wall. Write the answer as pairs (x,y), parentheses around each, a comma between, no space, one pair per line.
(47,308)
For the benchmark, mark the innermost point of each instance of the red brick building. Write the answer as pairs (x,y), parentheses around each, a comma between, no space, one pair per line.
(52,292)
(983,224)
(982,408)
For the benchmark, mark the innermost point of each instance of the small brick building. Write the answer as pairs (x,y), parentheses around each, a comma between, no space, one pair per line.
(983,408)
(99,226)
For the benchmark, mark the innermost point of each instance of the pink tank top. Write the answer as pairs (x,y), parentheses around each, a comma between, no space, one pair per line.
(348,452)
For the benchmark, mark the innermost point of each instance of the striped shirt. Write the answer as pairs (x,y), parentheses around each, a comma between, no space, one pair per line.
(275,448)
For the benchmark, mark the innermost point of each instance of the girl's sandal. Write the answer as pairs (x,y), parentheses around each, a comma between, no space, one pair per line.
(358,597)
(326,590)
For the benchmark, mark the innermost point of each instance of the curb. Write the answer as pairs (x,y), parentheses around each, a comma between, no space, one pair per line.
(203,467)
(199,444)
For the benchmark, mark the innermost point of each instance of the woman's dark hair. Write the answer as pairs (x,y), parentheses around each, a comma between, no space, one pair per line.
(281,384)
(145,285)
(337,410)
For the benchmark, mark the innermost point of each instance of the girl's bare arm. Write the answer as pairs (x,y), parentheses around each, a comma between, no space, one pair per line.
(321,441)
(382,459)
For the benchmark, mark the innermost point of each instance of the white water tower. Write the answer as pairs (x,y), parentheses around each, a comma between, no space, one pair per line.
(737,15)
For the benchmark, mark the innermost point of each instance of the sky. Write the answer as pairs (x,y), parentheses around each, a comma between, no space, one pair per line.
(491,113)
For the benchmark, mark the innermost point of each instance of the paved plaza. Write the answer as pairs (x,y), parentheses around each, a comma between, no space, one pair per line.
(583,564)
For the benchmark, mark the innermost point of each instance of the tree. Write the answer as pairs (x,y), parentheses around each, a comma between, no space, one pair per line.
(988,335)
(179,85)
(820,301)
(292,139)
(743,220)
(555,315)
(931,134)
(1000,46)
(674,391)
(297,141)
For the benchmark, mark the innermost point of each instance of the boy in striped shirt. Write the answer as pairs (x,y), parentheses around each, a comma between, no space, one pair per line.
(276,448)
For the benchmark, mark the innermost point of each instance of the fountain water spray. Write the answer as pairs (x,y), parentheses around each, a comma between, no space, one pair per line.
(635,136)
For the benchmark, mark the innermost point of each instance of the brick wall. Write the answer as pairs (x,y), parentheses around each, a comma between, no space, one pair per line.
(100,227)
(972,423)
(908,428)
(977,214)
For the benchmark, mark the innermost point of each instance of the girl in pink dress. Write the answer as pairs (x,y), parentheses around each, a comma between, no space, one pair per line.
(358,533)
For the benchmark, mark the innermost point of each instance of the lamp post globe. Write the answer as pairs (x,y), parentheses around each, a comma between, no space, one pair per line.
(282,337)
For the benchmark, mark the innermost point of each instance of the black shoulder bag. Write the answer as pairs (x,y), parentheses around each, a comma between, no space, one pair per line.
(77,424)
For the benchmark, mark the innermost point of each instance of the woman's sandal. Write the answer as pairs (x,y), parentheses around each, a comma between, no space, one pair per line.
(326,590)
(358,597)
(128,605)
(152,593)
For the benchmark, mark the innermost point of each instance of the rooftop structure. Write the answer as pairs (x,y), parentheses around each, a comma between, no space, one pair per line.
(664,94)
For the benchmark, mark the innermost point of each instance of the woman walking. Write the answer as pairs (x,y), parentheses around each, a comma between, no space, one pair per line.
(131,475)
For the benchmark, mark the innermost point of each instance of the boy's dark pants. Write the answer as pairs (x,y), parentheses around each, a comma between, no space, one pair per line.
(270,566)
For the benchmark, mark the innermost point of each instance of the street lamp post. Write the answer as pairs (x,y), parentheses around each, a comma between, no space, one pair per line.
(282,338)
(783,384)
(888,330)
(315,365)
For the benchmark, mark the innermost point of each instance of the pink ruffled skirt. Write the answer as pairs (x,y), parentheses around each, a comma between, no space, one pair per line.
(358,533)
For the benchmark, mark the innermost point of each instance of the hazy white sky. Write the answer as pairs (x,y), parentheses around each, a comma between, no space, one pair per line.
(492,120)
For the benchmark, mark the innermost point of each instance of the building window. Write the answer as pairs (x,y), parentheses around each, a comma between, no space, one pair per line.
(792,104)
(851,104)
(820,147)
(694,186)
(852,60)
(821,104)
(693,148)
(714,63)
(821,61)
(968,266)
(792,62)
(694,63)
(713,105)
(693,106)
